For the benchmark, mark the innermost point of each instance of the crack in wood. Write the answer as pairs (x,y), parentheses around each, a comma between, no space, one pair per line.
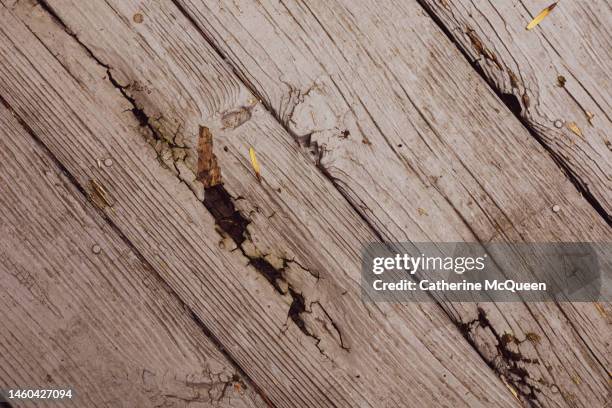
(507,363)
(231,222)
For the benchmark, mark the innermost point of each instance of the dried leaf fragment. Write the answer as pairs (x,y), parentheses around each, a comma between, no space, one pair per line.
(511,388)
(538,19)
(574,128)
(209,173)
(255,163)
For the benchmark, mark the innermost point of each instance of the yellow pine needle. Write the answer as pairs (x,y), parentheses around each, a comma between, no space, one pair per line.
(254,163)
(574,128)
(600,309)
(538,19)
(590,116)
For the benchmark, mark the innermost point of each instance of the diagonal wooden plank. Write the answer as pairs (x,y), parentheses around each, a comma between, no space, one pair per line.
(556,76)
(423,148)
(285,304)
(79,309)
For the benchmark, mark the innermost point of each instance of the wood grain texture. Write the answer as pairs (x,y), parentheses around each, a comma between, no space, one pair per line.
(332,350)
(422,147)
(80,310)
(558,73)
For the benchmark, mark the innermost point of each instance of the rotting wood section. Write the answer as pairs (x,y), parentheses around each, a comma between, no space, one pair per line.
(208,171)
(229,296)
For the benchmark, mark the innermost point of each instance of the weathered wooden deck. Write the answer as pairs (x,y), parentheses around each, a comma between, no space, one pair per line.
(143,263)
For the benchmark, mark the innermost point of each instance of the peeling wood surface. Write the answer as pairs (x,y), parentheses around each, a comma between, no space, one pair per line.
(385,107)
(81,310)
(271,268)
(561,67)
(208,171)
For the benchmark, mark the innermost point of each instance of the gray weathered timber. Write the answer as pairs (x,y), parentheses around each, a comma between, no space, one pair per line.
(559,73)
(80,310)
(420,144)
(334,350)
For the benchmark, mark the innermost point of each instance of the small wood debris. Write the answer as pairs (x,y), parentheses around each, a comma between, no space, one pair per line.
(345,134)
(255,164)
(234,118)
(422,211)
(476,43)
(590,116)
(138,18)
(600,309)
(208,171)
(508,338)
(366,141)
(481,49)
(533,337)
(556,208)
(513,79)
(98,195)
(538,19)
(96,249)
(561,81)
(574,128)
